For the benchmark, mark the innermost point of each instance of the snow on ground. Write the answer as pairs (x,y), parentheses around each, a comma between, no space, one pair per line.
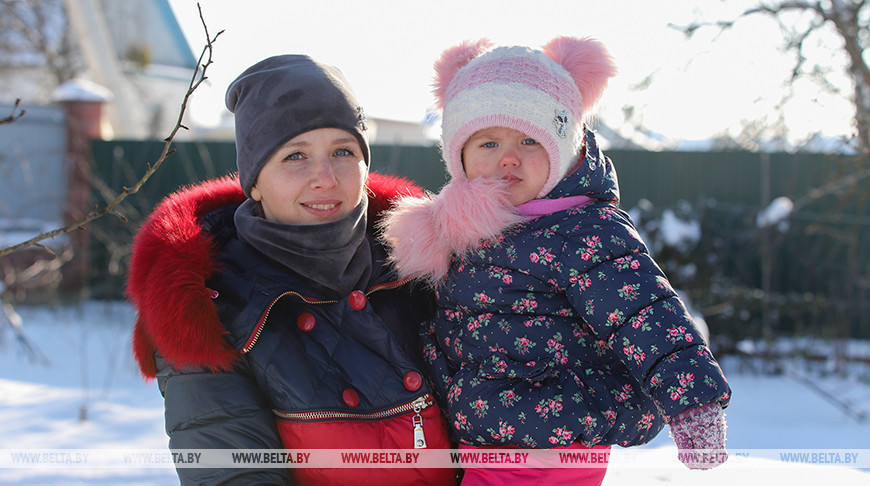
(86,371)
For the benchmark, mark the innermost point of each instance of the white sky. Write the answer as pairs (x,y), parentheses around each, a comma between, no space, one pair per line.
(386,49)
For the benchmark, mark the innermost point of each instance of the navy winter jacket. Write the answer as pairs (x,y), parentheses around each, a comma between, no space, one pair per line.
(248,356)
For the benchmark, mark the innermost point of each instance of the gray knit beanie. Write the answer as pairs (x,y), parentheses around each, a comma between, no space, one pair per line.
(282,97)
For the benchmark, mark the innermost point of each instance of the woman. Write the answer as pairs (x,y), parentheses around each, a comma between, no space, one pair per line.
(266,310)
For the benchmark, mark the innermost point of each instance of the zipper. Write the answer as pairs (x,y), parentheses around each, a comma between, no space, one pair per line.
(389,285)
(417,422)
(415,406)
(308,300)
(259,328)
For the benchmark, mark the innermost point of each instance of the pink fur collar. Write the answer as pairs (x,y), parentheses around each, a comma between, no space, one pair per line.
(424,232)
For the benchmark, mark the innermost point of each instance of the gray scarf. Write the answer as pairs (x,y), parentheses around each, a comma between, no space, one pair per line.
(335,257)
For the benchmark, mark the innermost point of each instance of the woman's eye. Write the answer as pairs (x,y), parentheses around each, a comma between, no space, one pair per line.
(529,141)
(294,156)
(343,152)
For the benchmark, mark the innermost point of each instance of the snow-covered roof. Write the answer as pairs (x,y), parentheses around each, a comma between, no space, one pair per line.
(81,90)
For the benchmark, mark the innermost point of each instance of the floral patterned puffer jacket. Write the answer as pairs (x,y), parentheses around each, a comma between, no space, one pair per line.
(563,328)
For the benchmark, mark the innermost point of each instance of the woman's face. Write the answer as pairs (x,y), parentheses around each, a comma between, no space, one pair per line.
(316,177)
(505,153)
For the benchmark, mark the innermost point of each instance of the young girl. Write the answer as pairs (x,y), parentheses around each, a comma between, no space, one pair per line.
(266,310)
(555,326)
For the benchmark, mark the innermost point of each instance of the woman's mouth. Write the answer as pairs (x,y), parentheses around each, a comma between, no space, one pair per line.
(322,207)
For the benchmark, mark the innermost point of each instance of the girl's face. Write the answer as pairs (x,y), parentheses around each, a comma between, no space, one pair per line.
(505,153)
(316,177)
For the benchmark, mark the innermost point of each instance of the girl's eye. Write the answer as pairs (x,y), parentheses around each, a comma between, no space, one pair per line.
(529,141)
(343,152)
(294,156)
(489,145)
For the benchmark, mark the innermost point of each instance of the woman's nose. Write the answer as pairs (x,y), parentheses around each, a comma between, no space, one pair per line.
(324,174)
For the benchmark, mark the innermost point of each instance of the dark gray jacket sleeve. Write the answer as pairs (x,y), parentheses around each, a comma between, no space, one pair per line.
(207,410)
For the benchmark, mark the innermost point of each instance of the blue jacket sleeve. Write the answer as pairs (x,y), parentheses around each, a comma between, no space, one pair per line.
(621,293)
(218,411)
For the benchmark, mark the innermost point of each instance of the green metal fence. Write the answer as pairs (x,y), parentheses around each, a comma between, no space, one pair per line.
(813,278)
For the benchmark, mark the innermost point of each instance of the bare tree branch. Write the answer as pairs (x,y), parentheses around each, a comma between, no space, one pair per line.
(198,77)
(846,19)
(31,27)
(14,116)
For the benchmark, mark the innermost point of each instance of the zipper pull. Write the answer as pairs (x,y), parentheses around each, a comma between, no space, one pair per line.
(417,421)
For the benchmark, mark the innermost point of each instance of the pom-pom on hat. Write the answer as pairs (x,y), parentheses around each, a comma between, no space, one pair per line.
(546,94)
(281,97)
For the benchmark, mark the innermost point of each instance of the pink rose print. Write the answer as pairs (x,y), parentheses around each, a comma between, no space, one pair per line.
(686,378)
(480,407)
(461,422)
(562,436)
(589,422)
(633,352)
(646,421)
(614,317)
(430,353)
(454,392)
(523,344)
(482,299)
(628,292)
(508,398)
(547,255)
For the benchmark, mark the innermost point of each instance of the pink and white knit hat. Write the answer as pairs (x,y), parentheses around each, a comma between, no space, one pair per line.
(547,94)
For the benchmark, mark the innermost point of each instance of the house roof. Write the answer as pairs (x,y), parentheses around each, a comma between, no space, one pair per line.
(151,25)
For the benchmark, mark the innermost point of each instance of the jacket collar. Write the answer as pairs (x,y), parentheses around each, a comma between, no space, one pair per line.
(173,257)
(595,176)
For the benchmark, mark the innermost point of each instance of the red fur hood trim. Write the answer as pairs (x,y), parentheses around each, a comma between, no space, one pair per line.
(172,258)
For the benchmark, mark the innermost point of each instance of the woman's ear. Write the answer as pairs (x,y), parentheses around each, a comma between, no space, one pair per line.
(255,194)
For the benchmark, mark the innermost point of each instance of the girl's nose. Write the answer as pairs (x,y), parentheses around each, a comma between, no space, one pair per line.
(509,158)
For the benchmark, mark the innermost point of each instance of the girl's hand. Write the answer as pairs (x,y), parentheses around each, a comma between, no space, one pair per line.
(700,436)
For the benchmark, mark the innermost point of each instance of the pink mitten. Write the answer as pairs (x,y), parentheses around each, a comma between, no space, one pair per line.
(700,436)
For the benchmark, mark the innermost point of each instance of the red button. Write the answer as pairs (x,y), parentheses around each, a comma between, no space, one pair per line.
(357,300)
(305,321)
(350,397)
(413,381)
